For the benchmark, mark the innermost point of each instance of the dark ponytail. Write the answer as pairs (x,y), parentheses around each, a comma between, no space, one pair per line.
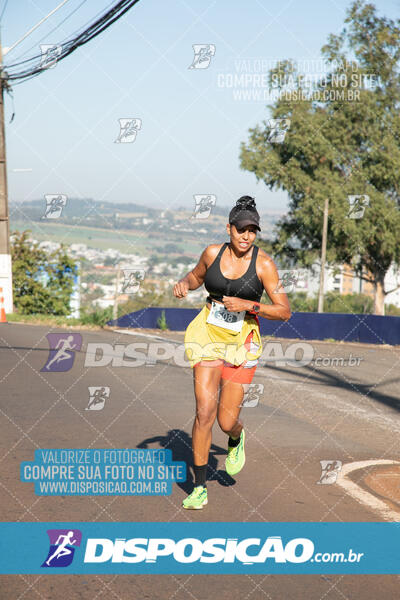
(244,208)
(246,203)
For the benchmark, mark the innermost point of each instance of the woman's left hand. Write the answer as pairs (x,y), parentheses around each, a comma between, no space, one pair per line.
(234,304)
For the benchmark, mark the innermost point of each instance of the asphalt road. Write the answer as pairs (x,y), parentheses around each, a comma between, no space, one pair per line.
(335,410)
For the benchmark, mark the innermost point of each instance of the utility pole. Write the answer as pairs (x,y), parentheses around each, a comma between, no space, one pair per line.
(5,256)
(323,258)
(116,295)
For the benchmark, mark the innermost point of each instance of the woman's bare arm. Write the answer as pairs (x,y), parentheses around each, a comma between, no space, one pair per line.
(195,278)
(280,307)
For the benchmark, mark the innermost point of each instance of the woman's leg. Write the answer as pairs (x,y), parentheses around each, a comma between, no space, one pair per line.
(229,407)
(206,377)
(235,381)
(206,388)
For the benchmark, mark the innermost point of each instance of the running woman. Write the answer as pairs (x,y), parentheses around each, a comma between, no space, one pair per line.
(223,342)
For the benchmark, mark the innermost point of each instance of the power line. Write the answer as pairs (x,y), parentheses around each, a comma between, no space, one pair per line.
(32,69)
(34,65)
(7,50)
(4,9)
(57,26)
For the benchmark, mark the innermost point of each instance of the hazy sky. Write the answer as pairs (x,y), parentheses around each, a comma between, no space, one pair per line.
(67,119)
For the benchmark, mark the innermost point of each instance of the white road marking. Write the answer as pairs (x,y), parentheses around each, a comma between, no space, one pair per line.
(364,497)
(298,381)
(149,335)
(353,489)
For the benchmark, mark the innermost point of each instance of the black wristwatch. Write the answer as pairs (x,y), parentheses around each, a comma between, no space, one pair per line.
(256,309)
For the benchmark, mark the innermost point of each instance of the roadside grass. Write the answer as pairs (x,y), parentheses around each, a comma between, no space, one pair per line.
(42,319)
(94,320)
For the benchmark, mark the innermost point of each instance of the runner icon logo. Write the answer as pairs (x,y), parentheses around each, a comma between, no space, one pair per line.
(203,205)
(203,54)
(54,205)
(288,280)
(50,54)
(330,471)
(128,129)
(132,280)
(62,351)
(251,397)
(357,206)
(278,129)
(97,397)
(62,547)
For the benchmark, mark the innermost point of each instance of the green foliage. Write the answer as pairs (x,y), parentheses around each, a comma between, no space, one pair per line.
(162,321)
(97,317)
(42,283)
(109,261)
(392,311)
(171,248)
(283,261)
(53,321)
(265,245)
(338,147)
(185,260)
(153,295)
(334,302)
(300,302)
(349,303)
(154,259)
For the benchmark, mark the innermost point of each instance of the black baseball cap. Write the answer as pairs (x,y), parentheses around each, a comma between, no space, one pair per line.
(245,213)
(246,217)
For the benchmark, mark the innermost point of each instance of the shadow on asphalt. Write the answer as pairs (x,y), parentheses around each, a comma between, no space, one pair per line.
(180,443)
(25,348)
(335,380)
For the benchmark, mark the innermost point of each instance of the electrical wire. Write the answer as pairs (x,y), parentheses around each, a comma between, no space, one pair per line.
(32,29)
(69,35)
(50,32)
(69,39)
(4,9)
(35,65)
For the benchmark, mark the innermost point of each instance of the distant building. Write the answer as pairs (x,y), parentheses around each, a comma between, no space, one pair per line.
(346,281)
(75,300)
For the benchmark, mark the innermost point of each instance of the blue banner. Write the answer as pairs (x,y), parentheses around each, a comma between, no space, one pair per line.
(368,329)
(102,472)
(207,548)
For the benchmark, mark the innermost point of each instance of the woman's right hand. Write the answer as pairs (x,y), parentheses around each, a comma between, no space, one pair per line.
(181,289)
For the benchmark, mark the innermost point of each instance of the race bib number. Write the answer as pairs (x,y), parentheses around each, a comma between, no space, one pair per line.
(221,317)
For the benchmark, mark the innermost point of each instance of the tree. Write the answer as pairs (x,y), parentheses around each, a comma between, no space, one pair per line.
(152,294)
(265,244)
(171,249)
(343,141)
(110,261)
(42,282)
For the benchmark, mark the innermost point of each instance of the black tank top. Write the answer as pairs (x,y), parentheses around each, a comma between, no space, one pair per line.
(248,286)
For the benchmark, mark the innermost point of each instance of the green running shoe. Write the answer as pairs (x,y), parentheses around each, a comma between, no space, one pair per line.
(197,499)
(236,458)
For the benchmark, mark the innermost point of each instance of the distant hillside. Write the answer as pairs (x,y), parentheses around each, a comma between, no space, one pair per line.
(75,207)
(82,207)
